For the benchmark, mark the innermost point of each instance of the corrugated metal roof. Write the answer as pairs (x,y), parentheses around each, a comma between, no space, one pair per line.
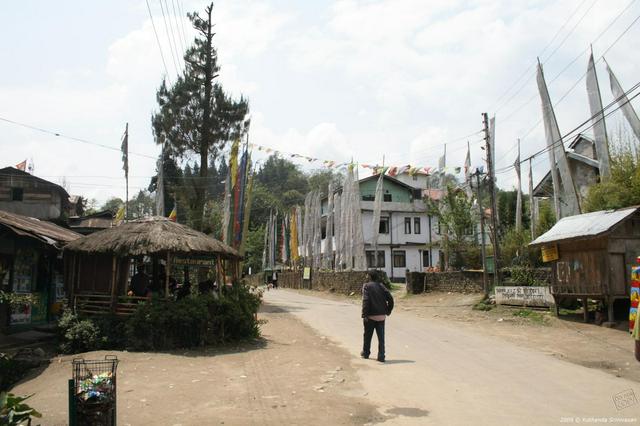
(42,230)
(584,225)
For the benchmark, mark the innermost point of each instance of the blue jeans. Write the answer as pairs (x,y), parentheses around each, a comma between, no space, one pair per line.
(369,326)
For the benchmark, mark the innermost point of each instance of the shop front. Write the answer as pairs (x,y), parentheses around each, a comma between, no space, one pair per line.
(31,271)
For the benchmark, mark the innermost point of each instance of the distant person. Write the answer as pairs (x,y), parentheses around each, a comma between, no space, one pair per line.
(183,291)
(377,303)
(274,279)
(140,283)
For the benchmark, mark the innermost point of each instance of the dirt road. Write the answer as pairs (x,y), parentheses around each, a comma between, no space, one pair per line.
(441,374)
(289,377)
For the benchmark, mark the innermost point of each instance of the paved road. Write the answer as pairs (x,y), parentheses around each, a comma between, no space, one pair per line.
(438,374)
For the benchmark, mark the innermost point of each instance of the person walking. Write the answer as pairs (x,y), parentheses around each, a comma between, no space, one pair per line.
(377,304)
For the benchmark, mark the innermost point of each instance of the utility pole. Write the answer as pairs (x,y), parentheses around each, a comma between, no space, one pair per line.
(494,204)
(485,280)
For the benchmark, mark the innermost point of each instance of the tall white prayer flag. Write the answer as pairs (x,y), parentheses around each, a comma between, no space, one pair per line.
(597,119)
(623,101)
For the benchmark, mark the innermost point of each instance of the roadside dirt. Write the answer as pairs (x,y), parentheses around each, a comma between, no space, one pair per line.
(290,376)
(567,338)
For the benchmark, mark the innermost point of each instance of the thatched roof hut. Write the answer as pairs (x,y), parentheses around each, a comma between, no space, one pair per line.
(98,266)
(151,236)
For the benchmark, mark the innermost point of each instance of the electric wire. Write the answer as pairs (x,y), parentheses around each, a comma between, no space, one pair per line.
(550,55)
(497,103)
(176,17)
(573,61)
(182,16)
(579,128)
(166,27)
(173,35)
(600,58)
(164,63)
(61,135)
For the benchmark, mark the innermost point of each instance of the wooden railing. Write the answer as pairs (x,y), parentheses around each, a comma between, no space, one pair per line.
(102,304)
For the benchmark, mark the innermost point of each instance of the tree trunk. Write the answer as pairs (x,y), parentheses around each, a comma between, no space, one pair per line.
(206,142)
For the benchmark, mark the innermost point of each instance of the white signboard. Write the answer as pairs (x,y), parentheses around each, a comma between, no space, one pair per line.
(524,296)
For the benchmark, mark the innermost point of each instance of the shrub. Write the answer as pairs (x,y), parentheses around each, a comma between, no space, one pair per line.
(524,276)
(194,321)
(165,324)
(77,335)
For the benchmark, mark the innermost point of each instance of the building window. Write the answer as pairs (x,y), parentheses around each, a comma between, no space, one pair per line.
(426,258)
(468,230)
(17,194)
(407,225)
(368,197)
(384,225)
(416,225)
(387,198)
(399,259)
(371,260)
(415,177)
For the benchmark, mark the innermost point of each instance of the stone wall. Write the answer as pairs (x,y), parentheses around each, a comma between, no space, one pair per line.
(290,279)
(455,282)
(340,282)
(254,280)
(346,282)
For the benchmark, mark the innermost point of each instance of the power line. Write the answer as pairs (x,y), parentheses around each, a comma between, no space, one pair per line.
(613,21)
(166,27)
(175,19)
(579,127)
(464,138)
(182,15)
(500,106)
(58,134)
(540,54)
(173,34)
(600,58)
(164,63)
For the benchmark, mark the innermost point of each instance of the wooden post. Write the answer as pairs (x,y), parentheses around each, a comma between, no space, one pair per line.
(167,271)
(72,277)
(219,274)
(114,285)
(610,313)
(585,309)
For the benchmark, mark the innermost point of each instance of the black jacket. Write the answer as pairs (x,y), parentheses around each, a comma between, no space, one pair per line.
(376,300)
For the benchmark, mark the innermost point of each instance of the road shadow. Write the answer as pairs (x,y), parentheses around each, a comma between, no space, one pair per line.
(268,308)
(399,361)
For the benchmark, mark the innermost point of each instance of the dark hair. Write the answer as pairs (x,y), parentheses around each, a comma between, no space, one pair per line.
(373,275)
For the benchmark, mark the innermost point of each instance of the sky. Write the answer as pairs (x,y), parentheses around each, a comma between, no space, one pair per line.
(336,80)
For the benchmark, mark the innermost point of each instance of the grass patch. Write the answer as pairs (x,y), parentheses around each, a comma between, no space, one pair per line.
(483,305)
(531,315)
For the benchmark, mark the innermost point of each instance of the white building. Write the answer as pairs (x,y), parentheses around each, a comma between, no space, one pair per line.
(408,235)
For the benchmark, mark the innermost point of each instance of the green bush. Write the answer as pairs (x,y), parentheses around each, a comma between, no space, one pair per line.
(166,324)
(77,335)
(524,276)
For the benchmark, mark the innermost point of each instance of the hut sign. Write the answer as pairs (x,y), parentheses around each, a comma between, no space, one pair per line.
(550,253)
(188,261)
(524,296)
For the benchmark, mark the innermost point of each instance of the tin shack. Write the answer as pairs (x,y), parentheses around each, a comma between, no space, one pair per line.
(591,255)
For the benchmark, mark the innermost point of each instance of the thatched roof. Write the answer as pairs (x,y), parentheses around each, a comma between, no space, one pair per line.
(151,236)
(41,230)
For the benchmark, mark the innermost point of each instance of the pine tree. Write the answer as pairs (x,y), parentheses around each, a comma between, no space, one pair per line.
(196,116)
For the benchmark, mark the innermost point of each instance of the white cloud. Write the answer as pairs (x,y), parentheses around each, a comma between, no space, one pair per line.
(349,78)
